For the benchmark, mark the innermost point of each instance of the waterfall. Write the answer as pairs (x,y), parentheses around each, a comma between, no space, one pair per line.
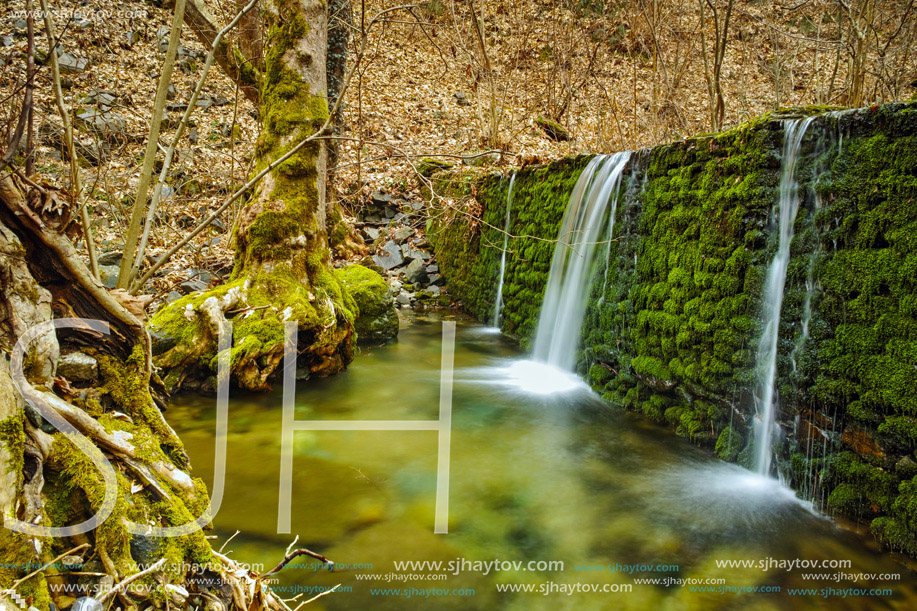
(593,201)
(766,360)
(498,304)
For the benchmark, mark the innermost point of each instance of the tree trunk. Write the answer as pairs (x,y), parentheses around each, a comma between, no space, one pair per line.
(282,265)
(47,479)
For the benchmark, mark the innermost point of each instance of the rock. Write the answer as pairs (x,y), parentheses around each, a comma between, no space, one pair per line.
(219,100)
(192,286)
(71,563)
(20,25)
(176,106)
(78,367)
(404,298)
(170,92)
(372,233)
(112,257)
(380,199)
(109,275)
(436,279)
(144,550)
(161,341)
(403,233)
(389,256)
(906,468)
(415,272)
(396,286)
(173,296)
(86,604)
(389,212)
(162,38)
(433,291)
(132,38)
(65,602)
(6,41)
(106,123)
(71,64)
(409,252)
(461,99)
(432,269)
(553,129)
(378,318)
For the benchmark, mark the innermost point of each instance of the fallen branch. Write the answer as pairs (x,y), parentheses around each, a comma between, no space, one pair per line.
(131,579)
(52,563)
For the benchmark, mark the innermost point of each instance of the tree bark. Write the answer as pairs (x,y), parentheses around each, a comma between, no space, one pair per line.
(282,262)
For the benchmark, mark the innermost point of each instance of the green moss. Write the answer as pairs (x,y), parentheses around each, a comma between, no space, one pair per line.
(12,436)
(377,318)
(675,309)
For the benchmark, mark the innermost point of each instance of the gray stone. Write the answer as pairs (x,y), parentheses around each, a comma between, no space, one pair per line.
(192,286)
(173,296)
(432,269)
(78,367)
(162,38)
(396,286)
(176,106)
(415,253)
(389,256)
(371,233)
(144,550)
(435,279)
(71,562)
(380,199)
(104,122)
(403,233)
(71,64)
(20,25)
(404,298)
(433,290)
(161,341)
(6,41)
(109,275)
(88,604)
(415,272)
(112,257)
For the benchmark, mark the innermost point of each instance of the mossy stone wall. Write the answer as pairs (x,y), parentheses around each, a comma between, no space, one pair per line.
(675,311)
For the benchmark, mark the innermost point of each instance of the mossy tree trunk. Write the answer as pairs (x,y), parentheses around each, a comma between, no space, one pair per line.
(46,479)
(282,261)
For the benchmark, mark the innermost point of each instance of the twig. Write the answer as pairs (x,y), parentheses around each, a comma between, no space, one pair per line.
(68,137)
(39,570)
(222,547)
(179,131)
(317,596)
(295,554)
(131,579)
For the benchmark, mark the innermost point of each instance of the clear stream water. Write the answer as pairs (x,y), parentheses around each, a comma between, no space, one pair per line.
(553,477)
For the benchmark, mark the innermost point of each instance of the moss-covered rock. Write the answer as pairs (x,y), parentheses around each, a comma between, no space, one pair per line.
(675,307)
(377,317)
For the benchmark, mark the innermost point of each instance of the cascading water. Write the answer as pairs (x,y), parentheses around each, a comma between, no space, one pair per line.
(593,201)
(766,360)
(498,304)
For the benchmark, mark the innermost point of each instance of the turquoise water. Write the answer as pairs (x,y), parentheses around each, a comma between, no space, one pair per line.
(564,479)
